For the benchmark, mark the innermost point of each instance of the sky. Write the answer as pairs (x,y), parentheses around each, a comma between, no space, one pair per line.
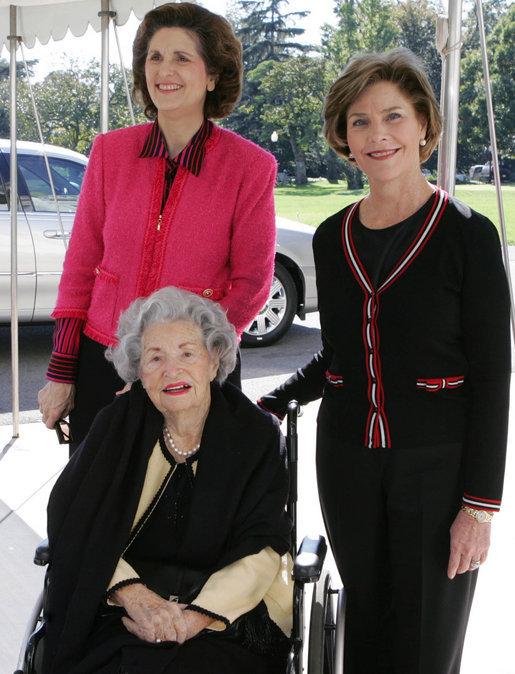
(55,55)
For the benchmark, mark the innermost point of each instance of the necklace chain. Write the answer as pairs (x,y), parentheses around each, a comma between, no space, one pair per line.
(172,444)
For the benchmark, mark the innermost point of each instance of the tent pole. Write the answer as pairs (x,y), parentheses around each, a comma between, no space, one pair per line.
(104,66)
(13,44)
(448,148)
(494,154)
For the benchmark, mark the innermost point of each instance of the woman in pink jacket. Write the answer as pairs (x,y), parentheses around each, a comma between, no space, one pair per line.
(178,201)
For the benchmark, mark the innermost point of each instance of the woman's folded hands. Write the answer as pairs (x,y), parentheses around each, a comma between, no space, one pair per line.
(154,619)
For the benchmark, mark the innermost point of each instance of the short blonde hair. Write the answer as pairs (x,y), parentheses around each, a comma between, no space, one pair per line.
(399,66)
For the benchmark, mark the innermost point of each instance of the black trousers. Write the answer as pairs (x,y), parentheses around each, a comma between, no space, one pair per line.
(388,513)
(96,386)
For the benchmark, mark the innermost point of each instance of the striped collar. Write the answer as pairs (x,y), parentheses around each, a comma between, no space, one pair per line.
(438,206)
(190,158)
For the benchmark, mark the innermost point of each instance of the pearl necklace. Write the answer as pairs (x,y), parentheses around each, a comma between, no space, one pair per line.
(174,448)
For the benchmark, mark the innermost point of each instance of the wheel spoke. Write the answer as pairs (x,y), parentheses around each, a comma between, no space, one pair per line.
(277,287)
(273,318)
(277,303)
(260,323)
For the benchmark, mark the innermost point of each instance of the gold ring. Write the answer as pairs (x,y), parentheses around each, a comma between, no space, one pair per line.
(475,564)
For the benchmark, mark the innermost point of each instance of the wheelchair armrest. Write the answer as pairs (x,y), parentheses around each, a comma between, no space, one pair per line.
(309,561)
(42,554)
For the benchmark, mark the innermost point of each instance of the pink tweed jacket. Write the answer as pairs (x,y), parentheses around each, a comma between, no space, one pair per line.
(215,236)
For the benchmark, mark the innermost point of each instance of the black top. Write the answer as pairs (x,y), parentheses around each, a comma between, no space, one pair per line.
(380,249)
(164,523)
(421,355)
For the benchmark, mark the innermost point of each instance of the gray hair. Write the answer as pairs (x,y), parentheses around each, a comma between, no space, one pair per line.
(166,306)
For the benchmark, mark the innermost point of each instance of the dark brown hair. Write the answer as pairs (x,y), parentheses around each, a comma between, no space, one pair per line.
(399,66)
(219,48)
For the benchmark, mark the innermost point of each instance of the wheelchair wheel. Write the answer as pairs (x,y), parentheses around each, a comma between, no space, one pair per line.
(31,651)
(322,627)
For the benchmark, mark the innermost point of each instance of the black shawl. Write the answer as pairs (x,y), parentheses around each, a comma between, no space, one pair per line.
(237,505)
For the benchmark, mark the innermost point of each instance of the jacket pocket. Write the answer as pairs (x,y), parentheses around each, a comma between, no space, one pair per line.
(106,276)
(335,380)
(104,298)
(440,383)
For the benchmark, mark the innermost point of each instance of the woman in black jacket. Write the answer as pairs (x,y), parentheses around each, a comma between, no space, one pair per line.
(414,377)
(167,528)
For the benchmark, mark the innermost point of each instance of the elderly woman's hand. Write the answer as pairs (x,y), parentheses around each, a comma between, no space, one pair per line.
(470,541)
(152,618)
(56,401)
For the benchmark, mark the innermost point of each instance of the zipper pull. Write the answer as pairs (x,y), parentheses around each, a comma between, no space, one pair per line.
(159,222)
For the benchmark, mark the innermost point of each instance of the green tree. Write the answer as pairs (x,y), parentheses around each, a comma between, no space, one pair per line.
(493,10)
(268,35)
(473,131)
(68,105)
(5,90)
(364,25)
(294,93)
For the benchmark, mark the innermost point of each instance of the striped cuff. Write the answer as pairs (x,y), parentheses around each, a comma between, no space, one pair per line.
(481,503)
(63,368)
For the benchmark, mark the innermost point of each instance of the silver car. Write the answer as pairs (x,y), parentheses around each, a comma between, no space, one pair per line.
(42,244)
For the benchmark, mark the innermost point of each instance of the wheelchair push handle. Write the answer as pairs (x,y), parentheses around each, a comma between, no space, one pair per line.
(291,443)
(291,431)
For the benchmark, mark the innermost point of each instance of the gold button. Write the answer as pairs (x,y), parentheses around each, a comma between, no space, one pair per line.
(207,292)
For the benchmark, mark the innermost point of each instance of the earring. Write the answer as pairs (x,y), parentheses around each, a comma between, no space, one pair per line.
(351,156)
(423,142)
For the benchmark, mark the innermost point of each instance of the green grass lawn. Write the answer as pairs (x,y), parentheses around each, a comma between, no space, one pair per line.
(314,202)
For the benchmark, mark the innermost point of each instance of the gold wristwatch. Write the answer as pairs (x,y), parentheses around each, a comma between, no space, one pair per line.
(479,515)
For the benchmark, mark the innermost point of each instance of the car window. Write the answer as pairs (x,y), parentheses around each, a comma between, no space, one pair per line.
(67,178)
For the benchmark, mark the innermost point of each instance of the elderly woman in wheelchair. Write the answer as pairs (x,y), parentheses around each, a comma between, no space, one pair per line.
(167,528)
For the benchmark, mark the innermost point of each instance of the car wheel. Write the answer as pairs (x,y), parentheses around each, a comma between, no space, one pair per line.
(277,315)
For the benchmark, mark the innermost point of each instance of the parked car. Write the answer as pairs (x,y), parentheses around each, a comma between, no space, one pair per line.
(487,171)
(42,244)
(475,171)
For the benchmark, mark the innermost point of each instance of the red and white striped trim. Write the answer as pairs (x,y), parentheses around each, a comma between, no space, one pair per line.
(377,431)
(481,503)
(335,380)
(440,383)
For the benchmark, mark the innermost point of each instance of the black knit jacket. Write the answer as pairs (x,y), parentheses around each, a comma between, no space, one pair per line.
(422,357)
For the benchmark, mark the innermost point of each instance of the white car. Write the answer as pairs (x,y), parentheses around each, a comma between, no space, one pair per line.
(41,244)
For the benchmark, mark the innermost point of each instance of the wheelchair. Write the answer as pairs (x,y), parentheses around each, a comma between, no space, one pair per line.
(320,653)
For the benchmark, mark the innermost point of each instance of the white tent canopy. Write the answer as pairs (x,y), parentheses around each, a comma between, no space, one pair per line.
(41,20)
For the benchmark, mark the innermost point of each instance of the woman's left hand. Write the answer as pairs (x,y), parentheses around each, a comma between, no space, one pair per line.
(154,619)
(470,541)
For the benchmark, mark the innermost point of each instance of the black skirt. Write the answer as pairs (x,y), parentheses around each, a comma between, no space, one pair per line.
(113,650)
